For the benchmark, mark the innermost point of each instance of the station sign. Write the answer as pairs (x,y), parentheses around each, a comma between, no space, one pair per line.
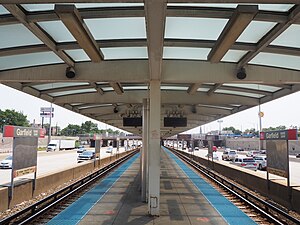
(290,134)
(46,114)
(47,109)
(15,131)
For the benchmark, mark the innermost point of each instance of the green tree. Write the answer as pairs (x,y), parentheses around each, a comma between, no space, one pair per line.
(71,130)
(11,117)
(89,127)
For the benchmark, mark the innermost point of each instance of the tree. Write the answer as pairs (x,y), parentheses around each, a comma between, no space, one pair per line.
(71,130)
(89,127)
(11,117)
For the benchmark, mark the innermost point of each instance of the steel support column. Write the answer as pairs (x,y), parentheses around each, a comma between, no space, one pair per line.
(145,150)
(154,148)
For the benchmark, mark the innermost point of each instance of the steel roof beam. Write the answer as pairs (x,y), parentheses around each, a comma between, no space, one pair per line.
(71,18)
(168,42)
(271,36)
(193,88)
(172,98)
(97,87)
(246,90)
(214,88)
(237,23)
(117,87)
(155,13)
(38,32)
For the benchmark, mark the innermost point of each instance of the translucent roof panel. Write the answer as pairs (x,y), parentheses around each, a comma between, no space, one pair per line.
(37,7)
(52,28)
(194,28)
(254,87)
(289,38)
(79,91)
(125,53)
(107,89)
(233,55)
(94,106)
(174,88)
(255,31)
(203,89)
(267,7)
(220,91)
(78,55)
(44,7)
(25,60)
(135,87)
(16,35)
(48,86)
(3,11)
(277,60)
(117,28)
(215,106)
(186,53)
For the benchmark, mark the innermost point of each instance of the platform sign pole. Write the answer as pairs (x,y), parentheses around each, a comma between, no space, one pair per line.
(288,174)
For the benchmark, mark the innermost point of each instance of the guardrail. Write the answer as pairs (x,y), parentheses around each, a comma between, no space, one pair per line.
(30,213)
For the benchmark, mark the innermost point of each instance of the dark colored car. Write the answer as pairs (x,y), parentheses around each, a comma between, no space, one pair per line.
(86,155)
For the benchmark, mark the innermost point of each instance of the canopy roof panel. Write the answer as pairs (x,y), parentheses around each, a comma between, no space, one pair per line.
(117,47)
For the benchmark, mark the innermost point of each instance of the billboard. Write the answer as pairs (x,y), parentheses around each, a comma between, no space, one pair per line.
(184,136)
(277,157)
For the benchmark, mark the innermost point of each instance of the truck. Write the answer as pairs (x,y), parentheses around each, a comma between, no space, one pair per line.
(60,145)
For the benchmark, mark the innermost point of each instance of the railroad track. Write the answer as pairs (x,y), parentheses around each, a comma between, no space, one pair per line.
(44,210)
(261,211)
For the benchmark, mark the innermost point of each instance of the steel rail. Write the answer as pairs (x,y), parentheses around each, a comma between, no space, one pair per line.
(232,188)
(32,212)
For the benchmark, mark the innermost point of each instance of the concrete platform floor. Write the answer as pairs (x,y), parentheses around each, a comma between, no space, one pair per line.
(180,203)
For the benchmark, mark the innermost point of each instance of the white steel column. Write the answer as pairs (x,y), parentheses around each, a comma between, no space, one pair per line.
(154,148)
(144,155)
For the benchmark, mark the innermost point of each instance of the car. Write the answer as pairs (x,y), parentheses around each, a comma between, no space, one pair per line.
(261,161)
(214,148)
(263,151)
(196,149)
(86,155)
(247,163)
(229,155)
(81,149)
(6,163)
(252,153)
(298,156)
(109,149)
(240,149)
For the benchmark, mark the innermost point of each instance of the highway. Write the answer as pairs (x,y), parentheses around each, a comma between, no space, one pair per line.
(51,162)
(294,166)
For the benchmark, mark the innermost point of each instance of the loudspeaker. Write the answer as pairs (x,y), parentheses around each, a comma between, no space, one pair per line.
(70,72)
(241,74)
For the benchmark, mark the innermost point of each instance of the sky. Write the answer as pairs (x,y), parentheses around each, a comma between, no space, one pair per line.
(282,111)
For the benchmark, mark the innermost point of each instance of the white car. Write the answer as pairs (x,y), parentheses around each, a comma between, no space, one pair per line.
(109,149)
(6,163)
(261,161)
(248,163)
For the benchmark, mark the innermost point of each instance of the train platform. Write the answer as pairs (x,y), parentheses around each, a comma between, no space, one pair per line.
(185,199)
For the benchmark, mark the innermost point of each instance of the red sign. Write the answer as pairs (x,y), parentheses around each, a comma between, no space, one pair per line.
(15,131)
(279,135)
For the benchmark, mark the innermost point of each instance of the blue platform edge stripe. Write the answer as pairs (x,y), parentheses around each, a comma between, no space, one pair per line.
(75,212)
(231,214)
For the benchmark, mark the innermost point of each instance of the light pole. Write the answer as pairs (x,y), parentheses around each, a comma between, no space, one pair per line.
(220,121)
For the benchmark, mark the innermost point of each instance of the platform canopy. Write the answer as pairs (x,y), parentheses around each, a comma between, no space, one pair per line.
(212,58)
